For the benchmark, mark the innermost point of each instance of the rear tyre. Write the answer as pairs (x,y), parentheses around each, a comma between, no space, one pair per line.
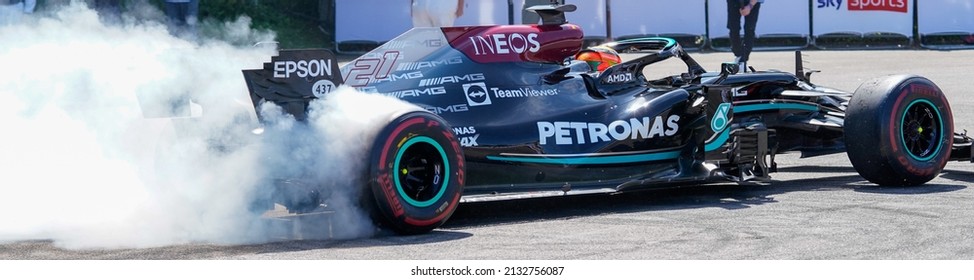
(899,130)
(417,173)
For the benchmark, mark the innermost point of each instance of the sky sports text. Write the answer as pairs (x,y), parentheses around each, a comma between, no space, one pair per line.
(867,5)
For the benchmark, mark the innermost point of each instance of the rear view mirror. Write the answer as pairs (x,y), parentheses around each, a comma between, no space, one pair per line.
(729,68)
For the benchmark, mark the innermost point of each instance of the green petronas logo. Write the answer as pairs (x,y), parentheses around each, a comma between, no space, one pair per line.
(721,119)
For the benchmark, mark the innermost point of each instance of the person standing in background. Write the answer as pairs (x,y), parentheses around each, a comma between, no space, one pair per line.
(109,6)
(25,6)
(29,6)
(748,9)
(11,11)
(110,10)
(183,17)
(436,13)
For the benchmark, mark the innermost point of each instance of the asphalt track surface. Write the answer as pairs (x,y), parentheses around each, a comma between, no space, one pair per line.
(815,208)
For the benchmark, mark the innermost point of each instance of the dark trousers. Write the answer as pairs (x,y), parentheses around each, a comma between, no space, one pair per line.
(741,48)
(182,14)
(183,17)
(111,10)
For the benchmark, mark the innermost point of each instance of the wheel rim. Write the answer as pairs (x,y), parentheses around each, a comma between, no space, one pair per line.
(422,172)
(921,131)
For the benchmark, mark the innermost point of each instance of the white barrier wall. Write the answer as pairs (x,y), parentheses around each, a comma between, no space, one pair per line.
(945,16)
(863,16)
(641,17)
(483,12)
(590,16)
(518,6)
(382,20)
(371,20)
(783,17)
(776,17)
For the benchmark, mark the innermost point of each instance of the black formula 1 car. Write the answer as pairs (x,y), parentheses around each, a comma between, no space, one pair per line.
(504,112)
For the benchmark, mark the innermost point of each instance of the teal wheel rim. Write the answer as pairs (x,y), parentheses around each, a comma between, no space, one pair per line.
(922,130)
(422,171)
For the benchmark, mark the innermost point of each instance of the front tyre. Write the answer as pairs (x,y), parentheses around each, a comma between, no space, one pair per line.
(898,130)
(417,173)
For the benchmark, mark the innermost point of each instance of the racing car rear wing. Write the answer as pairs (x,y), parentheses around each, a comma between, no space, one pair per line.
(293,78)
(552,14)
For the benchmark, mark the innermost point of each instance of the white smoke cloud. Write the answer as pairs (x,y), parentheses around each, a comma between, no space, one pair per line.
(81,166)
(331,149)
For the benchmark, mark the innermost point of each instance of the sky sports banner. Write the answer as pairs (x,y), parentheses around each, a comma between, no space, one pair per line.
(862,16)
(775,17)
(639,17)
(942,16)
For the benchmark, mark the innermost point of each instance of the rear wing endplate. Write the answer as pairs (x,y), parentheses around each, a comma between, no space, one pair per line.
(293,78)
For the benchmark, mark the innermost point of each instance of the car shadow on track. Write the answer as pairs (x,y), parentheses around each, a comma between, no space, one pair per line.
(859,184)
(380,239)
(958,174)
(924,189)
(816,169)
(48,250)
(727,196)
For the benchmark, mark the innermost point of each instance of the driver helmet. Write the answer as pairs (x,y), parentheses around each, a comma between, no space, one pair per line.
(599,57)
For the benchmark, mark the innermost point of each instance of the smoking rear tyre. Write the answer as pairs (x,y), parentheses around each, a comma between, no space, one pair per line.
(898,130)
(417,173)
